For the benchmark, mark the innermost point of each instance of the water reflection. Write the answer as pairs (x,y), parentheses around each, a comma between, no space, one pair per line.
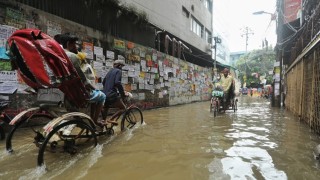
(187,142)
(255,136)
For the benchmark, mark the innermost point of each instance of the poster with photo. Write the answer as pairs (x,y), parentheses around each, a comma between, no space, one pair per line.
(88,49)
(125,74)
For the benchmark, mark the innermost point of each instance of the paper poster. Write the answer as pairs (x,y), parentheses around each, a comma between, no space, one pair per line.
(119,44)
(110,54)
(134,87)
(137,73)
(5,66)
(99,69)
(147,76)
(149,87)
(6,31)
(88,49)
(121,57)
(3,54)
(131,74)
(142,74)
(154,70)
(141,85)
(98,50)
(154,56)
(142,53)
(109,63)
(8,76)
(124,80)
(8,88)
(151,81)
(160,95)
(53,28)
(124,74)
(3,32)
(100,58)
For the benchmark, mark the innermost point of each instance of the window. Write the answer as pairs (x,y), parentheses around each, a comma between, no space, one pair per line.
(208,37)
(208,4)
(196,27)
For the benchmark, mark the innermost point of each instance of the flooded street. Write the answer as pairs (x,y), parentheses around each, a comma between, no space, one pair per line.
(187,142)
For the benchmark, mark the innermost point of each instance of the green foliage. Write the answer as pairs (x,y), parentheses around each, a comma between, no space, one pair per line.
(256,61)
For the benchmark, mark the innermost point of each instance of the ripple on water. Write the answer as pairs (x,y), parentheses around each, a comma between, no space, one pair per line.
(241,135)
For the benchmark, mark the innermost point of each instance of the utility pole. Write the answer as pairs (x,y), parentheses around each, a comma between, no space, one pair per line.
(247,32)
(217,40)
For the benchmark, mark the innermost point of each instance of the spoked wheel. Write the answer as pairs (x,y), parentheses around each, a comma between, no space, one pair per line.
(64,141)
(33,123)
(211,104)
(217,108)
(2,133)
(132,117)
(214,107)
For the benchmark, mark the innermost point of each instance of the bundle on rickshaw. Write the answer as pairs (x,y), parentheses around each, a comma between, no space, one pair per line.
(217,92)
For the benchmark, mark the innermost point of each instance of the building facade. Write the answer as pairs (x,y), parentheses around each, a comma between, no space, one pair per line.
(220,29)
(188,21)
(298,57)
(234,57)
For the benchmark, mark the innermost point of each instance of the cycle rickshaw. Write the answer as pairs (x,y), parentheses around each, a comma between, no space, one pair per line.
(45,67)
(219,102)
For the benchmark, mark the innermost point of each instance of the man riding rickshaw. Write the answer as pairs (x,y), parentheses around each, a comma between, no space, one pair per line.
(224,89)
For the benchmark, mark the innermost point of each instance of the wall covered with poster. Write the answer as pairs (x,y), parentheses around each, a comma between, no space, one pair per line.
(154,78)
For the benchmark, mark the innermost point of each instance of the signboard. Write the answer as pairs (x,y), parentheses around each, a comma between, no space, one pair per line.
(118,44)
(292,10)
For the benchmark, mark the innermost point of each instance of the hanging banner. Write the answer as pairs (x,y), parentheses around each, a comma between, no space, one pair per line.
(292,10)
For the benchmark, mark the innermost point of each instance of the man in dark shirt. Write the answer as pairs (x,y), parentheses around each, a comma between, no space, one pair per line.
(112,87)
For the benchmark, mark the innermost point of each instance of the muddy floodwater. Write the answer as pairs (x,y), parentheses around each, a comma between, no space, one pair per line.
(186,142)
